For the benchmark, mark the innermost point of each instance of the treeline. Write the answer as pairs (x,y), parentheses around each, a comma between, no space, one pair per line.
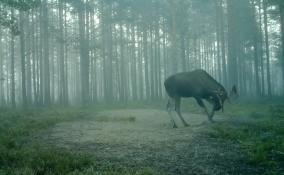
(87,51)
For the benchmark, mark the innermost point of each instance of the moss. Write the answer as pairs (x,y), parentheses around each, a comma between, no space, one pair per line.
(260,134)
(21,154)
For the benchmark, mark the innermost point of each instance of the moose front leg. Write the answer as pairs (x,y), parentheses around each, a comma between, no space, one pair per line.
(210,116)
(201,104)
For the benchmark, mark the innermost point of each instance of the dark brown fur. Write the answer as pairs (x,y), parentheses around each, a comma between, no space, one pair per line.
(199,85)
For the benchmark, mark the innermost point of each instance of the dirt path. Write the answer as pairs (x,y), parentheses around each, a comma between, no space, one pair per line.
(144,138)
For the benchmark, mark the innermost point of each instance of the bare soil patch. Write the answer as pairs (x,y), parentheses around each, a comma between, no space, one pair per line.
(143,139)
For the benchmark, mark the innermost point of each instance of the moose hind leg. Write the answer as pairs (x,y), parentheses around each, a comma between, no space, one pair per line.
(169,109)
(177,108)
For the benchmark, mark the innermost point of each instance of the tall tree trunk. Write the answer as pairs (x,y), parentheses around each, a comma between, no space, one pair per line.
(35,58)
(66,85)
(223,46)
(140,68)
(174,62)
(46,76)
(232,42)
(152,67)
(218,39)
(2,79)
(267,49)
(183,52)
(40,66)
(122,65)
(146,60)
(84,55)
(158,65)
(282,39)
(166,65)
(52,71)
(12,45)
(256,66)
(28,60)
(93,61)
(109,55)
(256,50)
(133,63)
(61,85)
(23,59)
(87,52)
(261,48)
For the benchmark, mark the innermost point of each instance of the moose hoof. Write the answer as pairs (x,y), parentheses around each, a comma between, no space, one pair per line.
(186,125)
(174,126)
(212,121)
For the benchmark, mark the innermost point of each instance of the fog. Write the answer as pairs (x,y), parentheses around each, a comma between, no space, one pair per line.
(81,53)
(106,62)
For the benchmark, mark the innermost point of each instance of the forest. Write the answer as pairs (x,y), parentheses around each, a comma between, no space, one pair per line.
(82,86)
(77,52)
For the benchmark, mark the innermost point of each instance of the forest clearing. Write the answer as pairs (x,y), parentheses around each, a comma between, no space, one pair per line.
(140,140)
(143,139)
(137,87)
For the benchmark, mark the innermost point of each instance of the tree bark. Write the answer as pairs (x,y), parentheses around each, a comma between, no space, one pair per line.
(267,49)
(12,45)
(84,55)
(23,59)
(232,43)
(282,39)
(46,77)
(2,79)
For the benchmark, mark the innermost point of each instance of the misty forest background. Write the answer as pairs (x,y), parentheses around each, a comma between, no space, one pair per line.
(79,52)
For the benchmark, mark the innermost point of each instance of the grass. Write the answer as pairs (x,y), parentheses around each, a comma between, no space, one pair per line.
(256,125)
(20,154)
(259,129)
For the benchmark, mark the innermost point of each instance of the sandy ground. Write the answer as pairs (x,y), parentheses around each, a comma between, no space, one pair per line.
(144,138)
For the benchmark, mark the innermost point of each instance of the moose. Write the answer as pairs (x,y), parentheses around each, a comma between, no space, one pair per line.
(199,85)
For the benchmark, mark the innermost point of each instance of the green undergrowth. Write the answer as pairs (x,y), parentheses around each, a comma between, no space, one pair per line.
(20,154)
(259,130)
